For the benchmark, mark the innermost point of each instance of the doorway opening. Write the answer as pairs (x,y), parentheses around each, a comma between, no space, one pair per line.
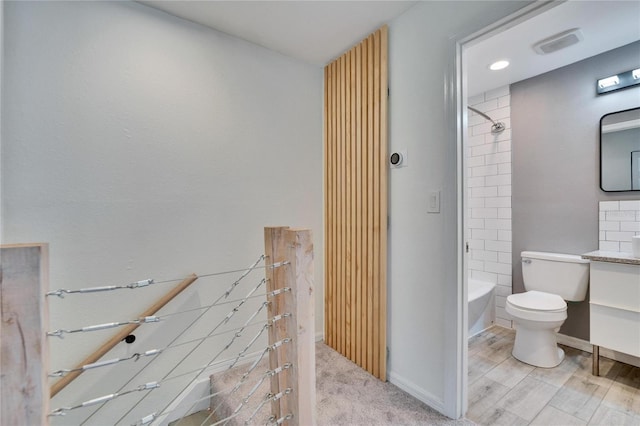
(489,256)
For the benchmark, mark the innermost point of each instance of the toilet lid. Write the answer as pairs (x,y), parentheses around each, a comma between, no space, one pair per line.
(537,301)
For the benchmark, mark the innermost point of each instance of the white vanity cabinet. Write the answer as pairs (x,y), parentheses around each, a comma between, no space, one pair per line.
(614,303)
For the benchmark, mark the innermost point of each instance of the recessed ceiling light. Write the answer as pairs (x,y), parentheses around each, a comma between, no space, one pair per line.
(499,65)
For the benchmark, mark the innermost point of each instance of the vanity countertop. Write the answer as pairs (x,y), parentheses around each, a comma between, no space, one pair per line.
(612,256)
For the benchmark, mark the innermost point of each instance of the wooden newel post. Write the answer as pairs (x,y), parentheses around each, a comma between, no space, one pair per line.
(294,246)
(24,356)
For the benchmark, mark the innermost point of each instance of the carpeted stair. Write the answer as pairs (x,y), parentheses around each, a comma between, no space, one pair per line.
(224,404)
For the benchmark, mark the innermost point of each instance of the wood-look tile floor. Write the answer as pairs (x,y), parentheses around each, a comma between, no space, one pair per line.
(505,391)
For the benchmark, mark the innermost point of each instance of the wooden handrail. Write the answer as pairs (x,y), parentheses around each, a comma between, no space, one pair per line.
(108,345)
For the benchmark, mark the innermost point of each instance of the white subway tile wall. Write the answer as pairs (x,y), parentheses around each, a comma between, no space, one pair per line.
(619,221)
(488,162)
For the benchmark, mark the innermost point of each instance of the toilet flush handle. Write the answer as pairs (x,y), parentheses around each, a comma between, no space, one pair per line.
(527,261)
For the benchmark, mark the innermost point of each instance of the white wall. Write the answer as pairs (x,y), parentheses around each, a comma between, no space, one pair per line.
(423,275)
(488,162)
(141,145)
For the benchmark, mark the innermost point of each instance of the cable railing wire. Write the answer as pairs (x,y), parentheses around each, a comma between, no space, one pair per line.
(203,369)
(270,323)
(150,281)
(239,383)
(223,321)
(136,356)
(145,320)
(156,384)
(272,347)
(237,332)
(252,391)
(203,313)
(151,352)
(147,419)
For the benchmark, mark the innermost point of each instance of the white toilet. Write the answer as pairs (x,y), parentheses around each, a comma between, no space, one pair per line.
(550,279)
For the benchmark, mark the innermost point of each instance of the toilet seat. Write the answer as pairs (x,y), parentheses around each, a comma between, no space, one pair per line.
(537,306)
(537,301)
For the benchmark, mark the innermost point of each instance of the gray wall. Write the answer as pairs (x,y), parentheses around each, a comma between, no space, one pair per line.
(555,121)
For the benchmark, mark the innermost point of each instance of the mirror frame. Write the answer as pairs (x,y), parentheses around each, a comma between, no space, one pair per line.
(601,159)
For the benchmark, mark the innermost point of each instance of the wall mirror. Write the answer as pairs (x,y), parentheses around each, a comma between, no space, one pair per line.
(620,151)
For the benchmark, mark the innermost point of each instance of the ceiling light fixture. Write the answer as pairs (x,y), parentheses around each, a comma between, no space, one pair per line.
(619,81)
(499,65)
(603,83)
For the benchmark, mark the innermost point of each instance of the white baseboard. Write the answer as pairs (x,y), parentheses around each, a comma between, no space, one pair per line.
(194,398)
(319,336)
(417,392)
(185,404)
(583,345)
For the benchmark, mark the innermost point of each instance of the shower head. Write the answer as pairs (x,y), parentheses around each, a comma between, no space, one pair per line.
(497,127)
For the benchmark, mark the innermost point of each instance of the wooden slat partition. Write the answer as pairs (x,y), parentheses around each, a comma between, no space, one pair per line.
(355,142)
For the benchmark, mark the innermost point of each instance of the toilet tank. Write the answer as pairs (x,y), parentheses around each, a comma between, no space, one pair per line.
(566,275)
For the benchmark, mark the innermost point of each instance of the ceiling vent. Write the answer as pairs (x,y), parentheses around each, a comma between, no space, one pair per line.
(558,41)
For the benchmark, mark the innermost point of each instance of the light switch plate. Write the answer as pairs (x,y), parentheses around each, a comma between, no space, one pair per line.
(433,202)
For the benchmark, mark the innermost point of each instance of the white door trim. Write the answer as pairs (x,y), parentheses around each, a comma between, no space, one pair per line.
(456,367)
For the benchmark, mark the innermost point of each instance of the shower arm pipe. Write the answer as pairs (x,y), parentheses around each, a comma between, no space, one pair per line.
(496,128)
(482,114)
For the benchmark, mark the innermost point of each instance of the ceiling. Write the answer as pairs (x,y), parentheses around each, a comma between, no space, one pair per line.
(313,31)
(319,31)
(605,25)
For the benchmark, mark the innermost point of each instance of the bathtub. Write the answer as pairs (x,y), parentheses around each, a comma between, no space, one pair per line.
(481,305)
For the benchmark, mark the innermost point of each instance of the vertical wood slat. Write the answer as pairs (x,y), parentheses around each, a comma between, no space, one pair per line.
(352,201)
(384,98)
(342,211)
(24,357)
(347,212)
(376,202)
(366,152)
(370,175)
(356,203)
(334,245)
(327,163)
(330,216)
(358,211)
